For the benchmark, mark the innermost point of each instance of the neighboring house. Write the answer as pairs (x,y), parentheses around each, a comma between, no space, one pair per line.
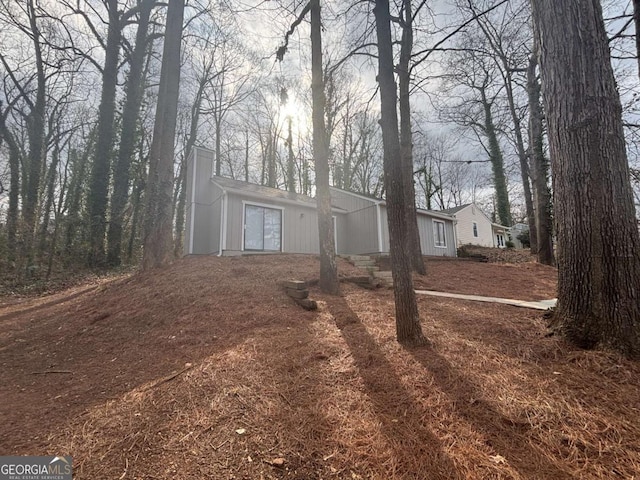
(231,217)
(473,227)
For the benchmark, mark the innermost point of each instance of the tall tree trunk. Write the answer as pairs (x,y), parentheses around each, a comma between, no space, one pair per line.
(49,193)
(328,267)
(408,328)
(345,169)
(540,167)
(598,241)
(99,183)
(271,161)
(14,190)
(77,184)
(306,181)
(158,236)
(139,184)
(522,157)
(37,148)
(263,159)
(636,22)
(497,164)
(246,155)
(130,113)
(218,165)
(180,210)
(406,142)
(291,174)
(56,228)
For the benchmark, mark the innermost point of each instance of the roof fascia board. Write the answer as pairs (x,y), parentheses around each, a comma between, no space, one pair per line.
(378,201)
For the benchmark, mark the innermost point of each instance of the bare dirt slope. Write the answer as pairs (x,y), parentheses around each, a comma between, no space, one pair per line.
(207,370)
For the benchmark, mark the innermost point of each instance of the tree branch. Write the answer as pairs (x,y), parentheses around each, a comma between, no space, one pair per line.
(428,51)
(283,49)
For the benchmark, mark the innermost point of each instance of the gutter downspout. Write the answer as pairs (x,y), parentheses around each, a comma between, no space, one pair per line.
(455,236)
(223,223)
(380,236)
(193,201)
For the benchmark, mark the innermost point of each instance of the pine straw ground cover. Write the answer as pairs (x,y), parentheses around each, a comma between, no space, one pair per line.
(207,370)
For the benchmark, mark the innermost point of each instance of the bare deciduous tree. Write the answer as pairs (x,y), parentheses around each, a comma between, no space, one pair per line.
(408,329)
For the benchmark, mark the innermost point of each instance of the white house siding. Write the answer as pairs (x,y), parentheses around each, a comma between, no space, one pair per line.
(465,218)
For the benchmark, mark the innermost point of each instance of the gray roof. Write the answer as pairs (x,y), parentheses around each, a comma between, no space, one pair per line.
(382,201)
(453,210)
(264,191)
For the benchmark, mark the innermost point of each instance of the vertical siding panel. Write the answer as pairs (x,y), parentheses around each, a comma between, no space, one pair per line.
(426,235)
(214,246)
(235,215)
(385,230)
(300,229)
(342,236)
(452,248)
(202,209)
(362,228)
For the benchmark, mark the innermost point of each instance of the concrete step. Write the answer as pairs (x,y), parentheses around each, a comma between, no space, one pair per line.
(385,277)
(355,258)
(364,263)
(383,274)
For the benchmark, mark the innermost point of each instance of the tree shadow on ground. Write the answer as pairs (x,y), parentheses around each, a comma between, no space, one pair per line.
(508,437)
(292,364)
(418,452)
(113,341)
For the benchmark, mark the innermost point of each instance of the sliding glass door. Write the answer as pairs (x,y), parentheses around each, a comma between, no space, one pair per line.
(262,228)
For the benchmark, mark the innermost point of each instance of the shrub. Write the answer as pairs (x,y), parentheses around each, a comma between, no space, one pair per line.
(524,238)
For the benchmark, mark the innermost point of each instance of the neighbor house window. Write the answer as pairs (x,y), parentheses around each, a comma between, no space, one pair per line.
(438,234)
(262,228)
(475,229)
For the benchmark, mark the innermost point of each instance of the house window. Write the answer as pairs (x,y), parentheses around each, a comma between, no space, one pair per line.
(500,240)
(438,234)
(475,229)
(262,228)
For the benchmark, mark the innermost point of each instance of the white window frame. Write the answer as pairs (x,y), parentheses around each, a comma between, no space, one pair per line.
(263,205)
(435,234)
(475,230)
